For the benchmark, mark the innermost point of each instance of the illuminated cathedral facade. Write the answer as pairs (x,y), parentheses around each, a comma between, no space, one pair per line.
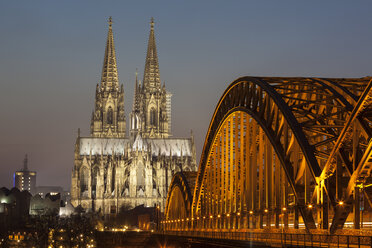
(115,169)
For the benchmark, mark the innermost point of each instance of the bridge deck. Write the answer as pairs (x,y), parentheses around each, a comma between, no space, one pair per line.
(275,239)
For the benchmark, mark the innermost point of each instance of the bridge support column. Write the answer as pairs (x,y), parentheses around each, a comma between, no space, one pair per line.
(324,210)
(356,159)
(356,210)
(245,221)
(261,220)
(268,219)
(285,219)
(238,221)
(277,217)
(249,221)
(254,222)
(296,217)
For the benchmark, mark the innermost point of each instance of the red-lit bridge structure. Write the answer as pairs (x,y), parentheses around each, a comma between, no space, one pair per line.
(280,155)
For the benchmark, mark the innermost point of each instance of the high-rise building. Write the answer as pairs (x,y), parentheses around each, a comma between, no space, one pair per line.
(25,179)
(113,169)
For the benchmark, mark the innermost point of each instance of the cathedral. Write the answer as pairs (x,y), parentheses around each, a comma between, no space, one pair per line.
(114,169)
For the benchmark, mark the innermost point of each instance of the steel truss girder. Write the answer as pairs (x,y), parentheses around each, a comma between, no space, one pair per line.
(246,94)
(364,165)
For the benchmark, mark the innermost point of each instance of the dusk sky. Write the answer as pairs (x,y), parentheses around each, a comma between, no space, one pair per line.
(51,55)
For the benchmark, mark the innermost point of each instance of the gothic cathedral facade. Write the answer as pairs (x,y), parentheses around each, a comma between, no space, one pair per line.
(113,169)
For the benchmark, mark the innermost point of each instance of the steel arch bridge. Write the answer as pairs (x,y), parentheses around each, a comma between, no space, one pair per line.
(280,153)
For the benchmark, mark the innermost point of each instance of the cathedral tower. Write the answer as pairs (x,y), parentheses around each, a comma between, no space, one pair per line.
(151,114)
(108,118)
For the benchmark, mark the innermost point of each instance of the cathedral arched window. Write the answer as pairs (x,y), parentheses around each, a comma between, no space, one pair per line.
(140,175)
(95,173)
(153,117)
(113,174)
(134,126)
(110,116)
(84,179)
(138,122)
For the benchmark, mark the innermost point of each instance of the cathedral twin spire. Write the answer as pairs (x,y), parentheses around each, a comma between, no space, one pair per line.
(150,116)
(108,119)
(110,77)
(151,77)
(151,103)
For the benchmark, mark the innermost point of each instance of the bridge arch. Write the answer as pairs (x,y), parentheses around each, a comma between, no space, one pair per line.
(179,199)
(273,108)
(267,151)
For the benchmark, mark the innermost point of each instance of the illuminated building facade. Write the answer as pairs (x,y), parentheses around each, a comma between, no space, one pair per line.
(113,169)
(25,179)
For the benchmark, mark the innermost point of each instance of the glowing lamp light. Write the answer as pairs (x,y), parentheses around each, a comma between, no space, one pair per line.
(197,218)
(251,212)
(228,215)
(211,216)
(187,219)
(284,209)
(203,217)
(219,216)
(238,214)
(310,206)
(341,203)
(266,210)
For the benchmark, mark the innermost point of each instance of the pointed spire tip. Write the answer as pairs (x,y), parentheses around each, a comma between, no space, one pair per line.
(152,22)
(110,21)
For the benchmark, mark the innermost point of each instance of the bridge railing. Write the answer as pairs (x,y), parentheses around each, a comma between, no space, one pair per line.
(282,239)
